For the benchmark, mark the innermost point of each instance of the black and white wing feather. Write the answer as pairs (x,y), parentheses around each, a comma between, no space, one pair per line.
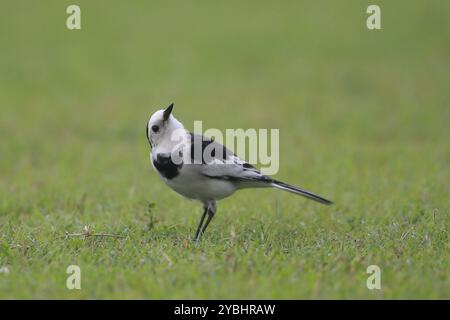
(218,162)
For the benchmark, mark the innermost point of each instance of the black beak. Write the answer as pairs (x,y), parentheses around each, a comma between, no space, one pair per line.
(167,112)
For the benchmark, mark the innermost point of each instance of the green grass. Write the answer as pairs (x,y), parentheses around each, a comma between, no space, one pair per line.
(367,112)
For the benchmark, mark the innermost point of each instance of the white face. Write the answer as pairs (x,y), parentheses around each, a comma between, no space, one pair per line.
(156,128)
(161,126)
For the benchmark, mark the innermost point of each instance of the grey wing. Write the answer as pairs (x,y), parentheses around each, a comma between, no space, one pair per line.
(218,162)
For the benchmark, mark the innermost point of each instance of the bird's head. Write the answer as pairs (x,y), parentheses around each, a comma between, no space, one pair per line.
(161,127)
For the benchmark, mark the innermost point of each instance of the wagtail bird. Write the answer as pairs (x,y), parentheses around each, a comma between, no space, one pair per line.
(202,169)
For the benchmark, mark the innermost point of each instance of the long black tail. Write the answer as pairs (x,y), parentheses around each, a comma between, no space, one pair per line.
(307,194)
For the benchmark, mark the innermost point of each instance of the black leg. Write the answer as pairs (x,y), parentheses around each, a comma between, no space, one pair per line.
(197,233)
(210,216)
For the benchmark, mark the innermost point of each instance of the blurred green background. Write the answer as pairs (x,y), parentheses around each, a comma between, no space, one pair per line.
(363,118)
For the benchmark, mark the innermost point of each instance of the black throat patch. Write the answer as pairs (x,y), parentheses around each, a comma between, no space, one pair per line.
(165,166)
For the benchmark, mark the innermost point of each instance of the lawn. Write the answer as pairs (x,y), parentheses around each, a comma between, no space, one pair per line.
(363,117)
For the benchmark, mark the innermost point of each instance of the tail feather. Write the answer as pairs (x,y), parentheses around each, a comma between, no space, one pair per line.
(304,193)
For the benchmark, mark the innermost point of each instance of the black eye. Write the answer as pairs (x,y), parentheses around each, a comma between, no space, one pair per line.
(155,129)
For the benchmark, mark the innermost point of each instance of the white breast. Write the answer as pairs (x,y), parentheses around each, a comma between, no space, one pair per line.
(191,184)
